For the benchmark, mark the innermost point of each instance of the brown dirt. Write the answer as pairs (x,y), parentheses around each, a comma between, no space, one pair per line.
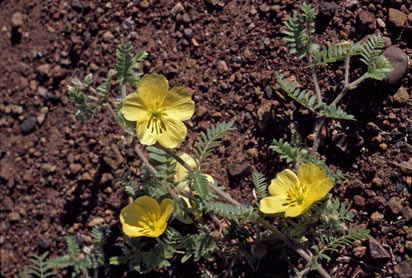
(54,180)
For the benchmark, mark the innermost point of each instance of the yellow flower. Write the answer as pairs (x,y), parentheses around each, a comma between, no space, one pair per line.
(145,217)
(294,194)
(158,111)
(180,175)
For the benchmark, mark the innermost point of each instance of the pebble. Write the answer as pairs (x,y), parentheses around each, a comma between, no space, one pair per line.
(359,201)
(377,182)
(376,217)
(222,67)
(264,114)
(327,10)
(401,96)
(359,252)
(108,36)
(264,8)
(14,217)
(28,125)
(201,111)
(75,167)
(399,60)
(397,18)
(186,18)
(144,4)
(113,157)
(96,221)
(406,167)
(268,92)
(367,22)
(16,20)
(395,205)
(381,23)
(403,269)
(407,213)
(43,69)
(239,170)
(351,4)
(188,33)
(377,250)
(177,9)
(48,167)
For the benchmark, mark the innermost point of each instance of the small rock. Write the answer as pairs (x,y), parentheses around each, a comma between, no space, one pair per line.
(28,125)
(407,213)
(75,167)
(399,60)
(376,217)
(327,10)
(16,20)
(43,69)
(367,22)
(408,245)
(401,96)
(144,4)
(395,205)
(113,157)
(201,111)
(397,18)
(351,4)
(268,92)
(222,67)
(359,201)
(381,23)
(406,168)
(48,167)
(43,242)
(86,177)
(264,8)
(188,33)
(252,10)
(403,269)
(108,36)
(177,9)
(96,221)
(186,18)
(16,109)
(377,182)
(106,177)
(239,171)
(371,126)
(14,217)
(264,114)
(359,252)
(356,184)
(377,250)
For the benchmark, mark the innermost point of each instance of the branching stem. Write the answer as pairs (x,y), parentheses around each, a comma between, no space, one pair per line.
(307,257)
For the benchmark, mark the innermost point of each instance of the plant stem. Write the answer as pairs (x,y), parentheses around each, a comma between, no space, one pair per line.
(227,197)
(316,83)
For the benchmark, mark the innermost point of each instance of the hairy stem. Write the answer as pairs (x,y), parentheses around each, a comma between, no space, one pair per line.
(316,83)
(307,257)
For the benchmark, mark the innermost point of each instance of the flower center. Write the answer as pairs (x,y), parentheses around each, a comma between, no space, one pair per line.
(156,124)
(296,195)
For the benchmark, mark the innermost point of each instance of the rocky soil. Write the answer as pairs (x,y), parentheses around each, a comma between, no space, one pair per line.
(58,176)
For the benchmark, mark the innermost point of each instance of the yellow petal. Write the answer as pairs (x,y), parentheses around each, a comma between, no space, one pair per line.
(185,219)
(145,135)
(153,88)
(283,182)
(179,104)
(273,204)
(209,178)
(131,217)
(310,174)
(166,209)
(293,211)
(320,189)
(181,172)
(174,134)
(133,108)
(149,205)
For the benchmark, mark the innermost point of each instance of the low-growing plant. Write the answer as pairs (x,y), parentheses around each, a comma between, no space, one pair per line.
(174,189)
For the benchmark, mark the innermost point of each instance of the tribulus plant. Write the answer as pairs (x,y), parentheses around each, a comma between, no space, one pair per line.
(174,185)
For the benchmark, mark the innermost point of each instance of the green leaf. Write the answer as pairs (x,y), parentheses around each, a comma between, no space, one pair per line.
(199,184)
(126,64)
(289,153)
(305,98)
(260,184)
(336,112)
(129,126)
(208,141)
